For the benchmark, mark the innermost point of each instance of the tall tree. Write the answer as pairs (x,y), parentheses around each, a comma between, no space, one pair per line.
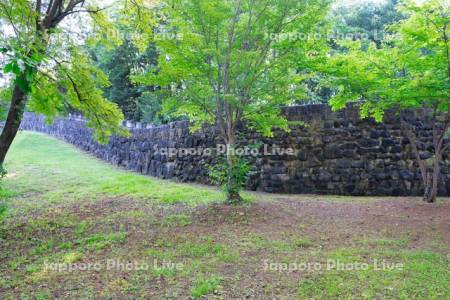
(47,65)
(411,70)
(138,102)
(234,62)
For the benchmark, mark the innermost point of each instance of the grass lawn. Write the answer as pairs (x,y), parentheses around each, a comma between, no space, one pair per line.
(78,228)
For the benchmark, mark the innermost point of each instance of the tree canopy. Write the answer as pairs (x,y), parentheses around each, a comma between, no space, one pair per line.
(410,70)
(234,61)
(42,51)
(368,20)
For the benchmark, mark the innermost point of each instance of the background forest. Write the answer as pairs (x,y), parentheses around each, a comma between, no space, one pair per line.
(139,102)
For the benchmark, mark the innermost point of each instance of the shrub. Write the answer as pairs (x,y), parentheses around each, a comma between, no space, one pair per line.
(219,174)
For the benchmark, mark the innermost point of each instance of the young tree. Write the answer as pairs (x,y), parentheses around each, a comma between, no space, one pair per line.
(411,70)
(47,65)
(234,62)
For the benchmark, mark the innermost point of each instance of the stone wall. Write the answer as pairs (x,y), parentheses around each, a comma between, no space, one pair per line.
(336,153)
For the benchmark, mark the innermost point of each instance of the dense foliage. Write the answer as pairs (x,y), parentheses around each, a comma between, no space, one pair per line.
(367,21)
(410,70)
(137,102)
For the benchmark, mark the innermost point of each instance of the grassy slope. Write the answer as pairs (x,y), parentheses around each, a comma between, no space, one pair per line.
(58,172)
(71,208)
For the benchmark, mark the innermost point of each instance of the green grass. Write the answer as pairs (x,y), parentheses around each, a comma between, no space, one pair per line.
(3,209)
(422,275)
(203,248)
(303,243)
(100,241)
(5,194)
(177,220)
(386,242)
(39,164)
(60,205)
(204,286)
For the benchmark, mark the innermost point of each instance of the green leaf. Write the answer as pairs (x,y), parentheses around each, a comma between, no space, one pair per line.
(23,84)
(29,74)
(8,68)
(12,67)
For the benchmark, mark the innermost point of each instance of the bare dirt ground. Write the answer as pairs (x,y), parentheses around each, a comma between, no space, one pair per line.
(274,229)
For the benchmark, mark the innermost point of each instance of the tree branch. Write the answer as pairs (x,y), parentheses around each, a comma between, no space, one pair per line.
(11,21)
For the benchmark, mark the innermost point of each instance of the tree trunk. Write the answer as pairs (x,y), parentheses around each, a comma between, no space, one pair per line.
(15,114)
(232,186)
(430,169)
(432,181)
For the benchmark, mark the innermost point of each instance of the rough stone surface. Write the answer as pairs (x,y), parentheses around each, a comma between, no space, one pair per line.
(335,153)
